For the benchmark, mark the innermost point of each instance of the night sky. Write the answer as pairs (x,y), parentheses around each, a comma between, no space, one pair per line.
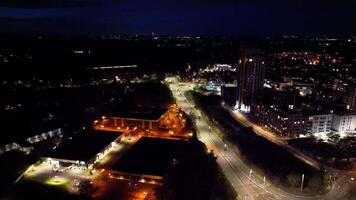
(179,17)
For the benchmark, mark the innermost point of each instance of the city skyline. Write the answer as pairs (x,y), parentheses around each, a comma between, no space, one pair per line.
(178,99)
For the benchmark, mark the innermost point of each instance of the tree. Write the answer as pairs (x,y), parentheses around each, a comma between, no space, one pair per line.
(294,180)
(85,187)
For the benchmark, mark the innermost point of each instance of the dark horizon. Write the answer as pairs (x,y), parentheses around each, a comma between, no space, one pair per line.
(192,36)
(202,18)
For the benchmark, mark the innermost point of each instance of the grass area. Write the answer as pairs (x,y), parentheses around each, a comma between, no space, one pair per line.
(196,176)
(13,164)
(28,189)
(152,156)
(146,94)
(280,166)
(336,154)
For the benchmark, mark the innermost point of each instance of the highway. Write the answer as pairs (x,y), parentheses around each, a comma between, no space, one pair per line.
(246,183)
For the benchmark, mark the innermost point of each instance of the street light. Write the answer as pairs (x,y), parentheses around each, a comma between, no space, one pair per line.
(302,184)
(264,181)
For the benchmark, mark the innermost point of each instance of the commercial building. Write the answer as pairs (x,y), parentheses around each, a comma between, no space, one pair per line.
(250,80)
(144,118)
(170,121)
(148,159)
(83,150)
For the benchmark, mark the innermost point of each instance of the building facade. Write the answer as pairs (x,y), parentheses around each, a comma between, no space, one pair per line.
(344,122)
(319,123)
(293,123)
(284,122)
(350,98)
(250,81)
(131,123)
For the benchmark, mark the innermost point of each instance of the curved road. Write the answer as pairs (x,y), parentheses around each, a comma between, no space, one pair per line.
(246,183)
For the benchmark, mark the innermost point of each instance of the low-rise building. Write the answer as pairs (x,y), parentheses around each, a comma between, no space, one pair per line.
(169,121)
(140,118)
(83,150)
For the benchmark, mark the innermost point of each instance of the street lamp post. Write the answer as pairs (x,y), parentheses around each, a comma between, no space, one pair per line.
(302,184)
(264,181)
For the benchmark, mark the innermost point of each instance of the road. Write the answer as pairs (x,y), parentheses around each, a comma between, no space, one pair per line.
(246,183)
(273,138)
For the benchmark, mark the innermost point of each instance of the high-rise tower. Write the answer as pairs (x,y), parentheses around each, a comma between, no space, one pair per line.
(250,77)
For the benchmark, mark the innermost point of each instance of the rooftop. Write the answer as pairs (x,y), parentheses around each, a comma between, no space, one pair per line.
(344,111)
(315,112)
(84,146)
(150,156)
(147,113)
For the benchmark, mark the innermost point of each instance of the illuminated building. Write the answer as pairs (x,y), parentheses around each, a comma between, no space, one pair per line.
(293,122)
(344,122)
(319,122)
(251,70)
(282,121)
(350,98)
(141,118)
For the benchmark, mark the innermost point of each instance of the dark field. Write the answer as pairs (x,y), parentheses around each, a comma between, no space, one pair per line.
(150,156)
(335,154)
